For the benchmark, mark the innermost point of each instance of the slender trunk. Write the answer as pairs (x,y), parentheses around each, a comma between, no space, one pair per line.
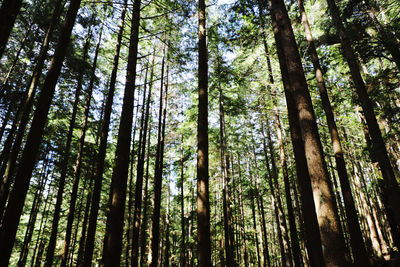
(183,233)
(82,238)
(21,185)
(33,214)
(140,169)
(167,226)
(16,58)
(203,204)
(275,194)
(242,218)
(292,221)
(8,12)
(253,212)
(261,218)
(4,123)
(159,165)
(143,238)
(94,208)
(391,188)
(65,161)
(228,231)
(78,163)
(334,245)
(113,248)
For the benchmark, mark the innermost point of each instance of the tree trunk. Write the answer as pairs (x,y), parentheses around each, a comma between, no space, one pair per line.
(21,185)
(78,163)
(8,13)
(159,166)
(143,238)
(228,231)
(94,209)
(203,204)
(167,226)
(356,239)
(391,188)
(140,169)
(113,248)
(27,106)
(334,245)
(37,200)
(183,233)
(65,161)
(313,240)
(242,224)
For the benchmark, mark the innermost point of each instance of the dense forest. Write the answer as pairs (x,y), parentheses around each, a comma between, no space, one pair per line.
(200,133)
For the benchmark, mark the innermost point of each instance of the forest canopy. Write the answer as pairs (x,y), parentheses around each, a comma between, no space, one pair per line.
(200,133)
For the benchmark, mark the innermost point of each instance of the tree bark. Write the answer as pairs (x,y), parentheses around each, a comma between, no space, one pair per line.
(356,239)
(203,204)
(334,245)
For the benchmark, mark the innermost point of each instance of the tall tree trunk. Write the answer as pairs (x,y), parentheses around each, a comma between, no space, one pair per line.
(356,239)
(140,169)
(203,204)
(21,185)
(78,163)
(8,13)
(183,233)
(228,231)
(242,218)
(33,214)
(253,212)
(27,106)
(65,161)
(167,226)
(391,188)
(143,238)
(292,222)
(278,212)
(159,166)
(313,240)
(334,245)
(94,209)
(113,248)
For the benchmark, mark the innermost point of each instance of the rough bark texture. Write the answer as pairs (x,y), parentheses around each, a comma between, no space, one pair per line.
(356,239)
